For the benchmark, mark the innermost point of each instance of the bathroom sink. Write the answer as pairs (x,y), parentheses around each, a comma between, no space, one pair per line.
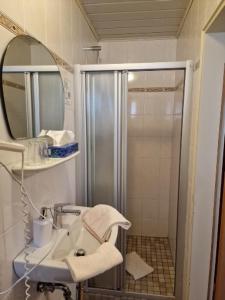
(64,242)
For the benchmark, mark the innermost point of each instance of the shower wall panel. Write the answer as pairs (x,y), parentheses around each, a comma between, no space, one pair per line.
(176,140)
(150,128)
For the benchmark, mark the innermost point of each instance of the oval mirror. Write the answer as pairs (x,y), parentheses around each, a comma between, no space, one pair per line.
(31,88)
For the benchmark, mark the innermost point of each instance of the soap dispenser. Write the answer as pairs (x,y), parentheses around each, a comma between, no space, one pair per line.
(42,229)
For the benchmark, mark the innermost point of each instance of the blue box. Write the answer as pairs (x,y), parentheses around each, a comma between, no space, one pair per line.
(62,151)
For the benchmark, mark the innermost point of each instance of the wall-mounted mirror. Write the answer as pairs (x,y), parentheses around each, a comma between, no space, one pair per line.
(31,88)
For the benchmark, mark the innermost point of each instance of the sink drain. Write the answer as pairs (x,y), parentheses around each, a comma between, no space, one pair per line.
(80,252)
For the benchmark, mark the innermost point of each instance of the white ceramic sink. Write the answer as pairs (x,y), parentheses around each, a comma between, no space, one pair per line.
(65,241)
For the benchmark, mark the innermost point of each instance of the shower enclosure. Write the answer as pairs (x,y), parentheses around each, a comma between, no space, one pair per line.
(135,136)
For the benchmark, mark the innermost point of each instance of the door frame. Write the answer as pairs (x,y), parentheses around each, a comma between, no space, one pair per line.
(184,208)
(207,163)
(219,287)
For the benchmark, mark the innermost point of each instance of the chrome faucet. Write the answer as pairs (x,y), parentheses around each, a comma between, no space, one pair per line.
(60,210)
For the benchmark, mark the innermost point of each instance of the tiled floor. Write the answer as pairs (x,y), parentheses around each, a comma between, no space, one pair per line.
(155,252)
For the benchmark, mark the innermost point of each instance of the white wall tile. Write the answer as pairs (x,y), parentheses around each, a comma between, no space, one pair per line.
(150,208)
(166,147)
(134,208)
(140,50)
(153,103)
(150,147)
(52,8)
(135,103)
(6,37)
(134,147)
(135,126)
(152,126)
(35,19)
(167,126)
(144,147)
(61,26)
(136,228)
(149,227)
(114,52)
(150,140)
(65,29)
(162,227)
(134,178)
(14,9)
(150,177)
(10,202)
(14,243)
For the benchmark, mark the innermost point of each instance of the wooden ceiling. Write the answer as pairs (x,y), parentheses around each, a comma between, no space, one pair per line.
(112,19)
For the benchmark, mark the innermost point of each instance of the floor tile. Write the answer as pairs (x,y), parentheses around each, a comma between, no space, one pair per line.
(155,252)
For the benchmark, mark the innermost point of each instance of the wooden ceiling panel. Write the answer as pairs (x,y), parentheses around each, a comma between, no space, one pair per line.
(133,6)
(136,30)
(137,23)
(119,1)
(166,34)
(121,16)
(127,18)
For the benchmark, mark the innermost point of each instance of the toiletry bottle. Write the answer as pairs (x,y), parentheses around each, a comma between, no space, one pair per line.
(42,229)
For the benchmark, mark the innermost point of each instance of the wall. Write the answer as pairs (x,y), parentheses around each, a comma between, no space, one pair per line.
(133,51)
(60,25)
(207,190)
(189,47)
(150,128)
(151,150)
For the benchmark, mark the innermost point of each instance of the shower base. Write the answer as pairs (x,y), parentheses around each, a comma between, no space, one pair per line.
(156,252)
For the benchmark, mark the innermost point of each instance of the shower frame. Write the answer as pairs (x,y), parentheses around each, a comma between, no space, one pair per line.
(184,208)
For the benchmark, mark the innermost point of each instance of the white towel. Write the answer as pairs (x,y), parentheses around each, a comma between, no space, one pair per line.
(100,219)
(136,266)
(59,137)
(82,268)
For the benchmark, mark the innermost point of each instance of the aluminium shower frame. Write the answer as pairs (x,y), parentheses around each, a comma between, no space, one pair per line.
(184,209)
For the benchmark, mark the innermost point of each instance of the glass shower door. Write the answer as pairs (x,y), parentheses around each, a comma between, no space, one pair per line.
(102,138)
(103,115)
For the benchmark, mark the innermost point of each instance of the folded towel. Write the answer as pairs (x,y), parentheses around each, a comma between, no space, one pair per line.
(136,266)
(82,268)
(59,137)
(100,219)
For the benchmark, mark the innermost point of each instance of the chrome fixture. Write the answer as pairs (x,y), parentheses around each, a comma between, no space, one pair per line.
(93,48)
(59,210)
(49,287)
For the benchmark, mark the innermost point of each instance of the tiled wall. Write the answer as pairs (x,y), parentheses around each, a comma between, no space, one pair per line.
(60,25)
(133,51)
(150,123)
(189,47)
(150,128)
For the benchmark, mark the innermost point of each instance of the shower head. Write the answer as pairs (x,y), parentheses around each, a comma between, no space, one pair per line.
(15,147)
(93,48)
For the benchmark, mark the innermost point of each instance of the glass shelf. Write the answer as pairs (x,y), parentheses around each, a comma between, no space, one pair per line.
(50,163)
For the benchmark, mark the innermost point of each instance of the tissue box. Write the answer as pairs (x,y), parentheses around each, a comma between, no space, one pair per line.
(62,151)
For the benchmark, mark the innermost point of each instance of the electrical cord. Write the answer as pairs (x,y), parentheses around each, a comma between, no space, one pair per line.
(27,233)
(24,197)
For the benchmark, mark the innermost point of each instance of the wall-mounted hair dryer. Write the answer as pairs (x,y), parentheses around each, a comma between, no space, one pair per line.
(15,147)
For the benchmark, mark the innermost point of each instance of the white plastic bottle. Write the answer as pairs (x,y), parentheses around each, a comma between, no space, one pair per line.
(42,229)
